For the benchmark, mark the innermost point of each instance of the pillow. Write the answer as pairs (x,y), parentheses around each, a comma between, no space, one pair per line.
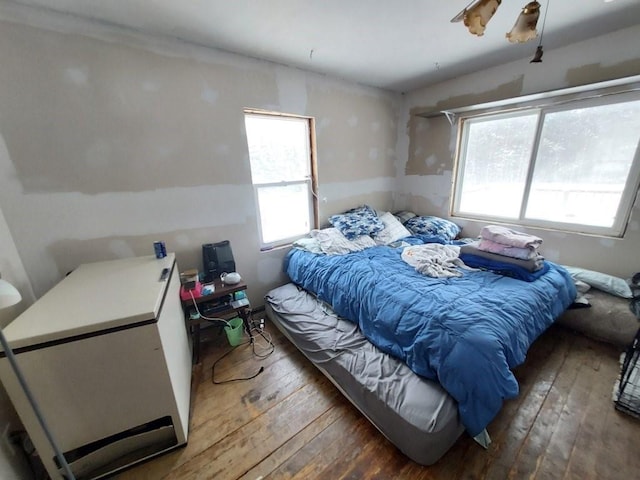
(404,215)
(332,242)
(309,244)
(364,210)
(393,230)
(607,283)
(357,222)
(434,226)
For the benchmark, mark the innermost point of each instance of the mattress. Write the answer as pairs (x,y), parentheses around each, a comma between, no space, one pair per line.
(414,413)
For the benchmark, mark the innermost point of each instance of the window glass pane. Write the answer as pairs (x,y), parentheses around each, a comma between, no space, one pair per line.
(284,211)
(496,162)
(584,159)
(278,148)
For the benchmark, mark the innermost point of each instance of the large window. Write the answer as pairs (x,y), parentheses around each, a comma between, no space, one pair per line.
(283,175)
(567,165)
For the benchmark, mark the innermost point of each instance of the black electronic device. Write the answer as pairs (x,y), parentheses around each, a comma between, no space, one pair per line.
(209,262)
(164,275)
(216,259)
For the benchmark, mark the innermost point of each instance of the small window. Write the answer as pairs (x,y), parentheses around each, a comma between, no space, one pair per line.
(283,175)
(571,166)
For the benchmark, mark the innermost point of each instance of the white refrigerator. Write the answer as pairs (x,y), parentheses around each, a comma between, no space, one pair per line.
(107,357)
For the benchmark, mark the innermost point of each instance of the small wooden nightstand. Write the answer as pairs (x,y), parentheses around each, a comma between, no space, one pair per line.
(225,310)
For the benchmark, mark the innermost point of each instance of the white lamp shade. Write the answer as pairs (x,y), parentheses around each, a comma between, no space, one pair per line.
(525,26)
(9,295)
(478,15)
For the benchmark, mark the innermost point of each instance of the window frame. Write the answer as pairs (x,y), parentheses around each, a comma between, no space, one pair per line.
(605,93)
(310,181)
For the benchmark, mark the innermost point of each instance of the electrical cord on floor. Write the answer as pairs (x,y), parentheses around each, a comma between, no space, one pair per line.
(259,331)
(213,369)
(267,349)
(264,353)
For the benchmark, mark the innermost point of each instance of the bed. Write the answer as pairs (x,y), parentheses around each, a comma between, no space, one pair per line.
(456,338)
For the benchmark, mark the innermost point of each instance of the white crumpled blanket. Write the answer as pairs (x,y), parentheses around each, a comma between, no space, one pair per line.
(435,260)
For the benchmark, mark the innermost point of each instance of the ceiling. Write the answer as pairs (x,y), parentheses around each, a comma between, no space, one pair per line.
(399,45)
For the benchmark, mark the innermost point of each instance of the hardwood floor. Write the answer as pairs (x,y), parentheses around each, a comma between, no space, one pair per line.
(291,422)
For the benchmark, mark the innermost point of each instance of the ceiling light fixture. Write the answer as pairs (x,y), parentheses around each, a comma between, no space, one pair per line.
(525,27)
(477,14)
(537,57)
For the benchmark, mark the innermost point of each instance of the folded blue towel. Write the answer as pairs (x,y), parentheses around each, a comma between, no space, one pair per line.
(502,268)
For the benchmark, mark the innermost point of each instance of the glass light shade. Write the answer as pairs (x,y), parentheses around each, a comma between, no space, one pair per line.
(478,15)
(9,295)
(525,27)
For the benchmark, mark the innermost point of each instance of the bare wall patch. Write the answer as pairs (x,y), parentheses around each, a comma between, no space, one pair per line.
(595,72)
(93,117)
(428,146)
(509,89)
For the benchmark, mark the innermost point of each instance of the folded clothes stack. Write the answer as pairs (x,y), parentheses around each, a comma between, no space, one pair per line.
(505,251)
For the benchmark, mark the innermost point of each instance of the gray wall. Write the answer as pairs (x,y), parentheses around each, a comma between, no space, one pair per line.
(426,147)
(110,140)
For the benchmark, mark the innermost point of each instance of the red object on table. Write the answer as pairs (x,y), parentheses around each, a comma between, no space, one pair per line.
(186,294)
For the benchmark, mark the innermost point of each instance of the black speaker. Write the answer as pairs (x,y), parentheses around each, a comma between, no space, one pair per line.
(217,258)
(226,263)
(209,262)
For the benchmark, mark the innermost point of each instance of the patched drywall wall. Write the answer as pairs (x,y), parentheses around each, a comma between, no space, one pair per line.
(123,119)
(353,172)
(426,146)
(110,140)
(597,72)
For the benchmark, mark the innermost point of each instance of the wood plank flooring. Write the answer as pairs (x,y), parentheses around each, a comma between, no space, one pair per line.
(290,422)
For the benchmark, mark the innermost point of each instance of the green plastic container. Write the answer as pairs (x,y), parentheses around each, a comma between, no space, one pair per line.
(234,331)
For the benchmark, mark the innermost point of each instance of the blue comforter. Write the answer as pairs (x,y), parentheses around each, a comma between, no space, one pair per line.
(467,332)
